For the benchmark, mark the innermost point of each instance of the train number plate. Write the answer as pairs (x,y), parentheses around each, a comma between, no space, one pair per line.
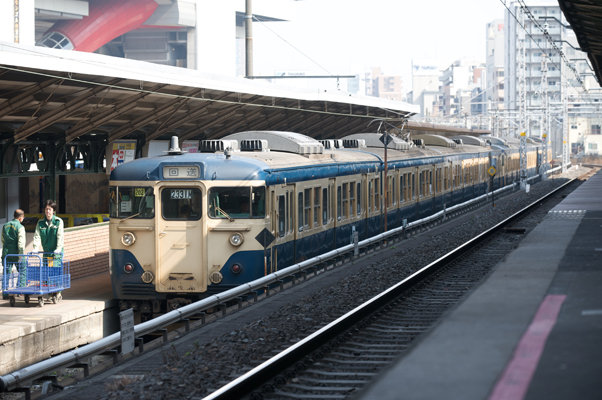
(181,172)
(181,194)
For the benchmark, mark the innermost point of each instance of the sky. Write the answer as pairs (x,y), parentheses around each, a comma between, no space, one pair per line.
(352,36)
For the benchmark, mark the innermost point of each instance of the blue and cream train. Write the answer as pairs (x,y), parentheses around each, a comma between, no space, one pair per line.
(187,225)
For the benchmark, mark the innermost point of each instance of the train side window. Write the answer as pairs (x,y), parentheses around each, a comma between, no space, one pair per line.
(444,172)
(359,198)
(370,194)
(300,212)
(351,198)
(288,213)
(393,192)
(339,203)
(345,195)
(307,208)
(317,204)
(281,216)
(181,204)
(377,194)
(324,206)
(430,186)
(402,178)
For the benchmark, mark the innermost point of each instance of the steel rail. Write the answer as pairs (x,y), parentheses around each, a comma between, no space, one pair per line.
(259,375)
(17,378)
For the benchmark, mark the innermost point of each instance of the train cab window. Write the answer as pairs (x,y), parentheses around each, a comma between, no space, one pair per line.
(370,194)
(358,188)
(324,206)
(258,202)
(237,202)
(181,204)
(131,202)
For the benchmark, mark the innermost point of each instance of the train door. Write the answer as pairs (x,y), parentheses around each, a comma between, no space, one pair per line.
(284,231)
(180,255)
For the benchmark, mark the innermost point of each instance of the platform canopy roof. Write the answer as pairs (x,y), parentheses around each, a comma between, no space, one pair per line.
(48,94)
(585,17)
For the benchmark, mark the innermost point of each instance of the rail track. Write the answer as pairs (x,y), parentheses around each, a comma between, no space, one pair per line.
(338,360)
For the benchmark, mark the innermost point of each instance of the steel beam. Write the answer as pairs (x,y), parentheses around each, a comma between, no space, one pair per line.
(225,114)
(189,117)
(149,116)
(24,98)
(52,116)
(113,111)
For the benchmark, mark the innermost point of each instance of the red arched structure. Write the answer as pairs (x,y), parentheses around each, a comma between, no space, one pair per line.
(107,20)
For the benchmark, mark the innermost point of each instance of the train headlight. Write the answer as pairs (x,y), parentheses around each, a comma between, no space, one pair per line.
(128,268)
(236,239)
(128,238)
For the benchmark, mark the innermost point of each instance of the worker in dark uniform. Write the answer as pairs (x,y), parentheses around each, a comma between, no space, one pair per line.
(49,235)
(13,242)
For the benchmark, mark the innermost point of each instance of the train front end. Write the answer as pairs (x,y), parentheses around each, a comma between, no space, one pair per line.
(182,227)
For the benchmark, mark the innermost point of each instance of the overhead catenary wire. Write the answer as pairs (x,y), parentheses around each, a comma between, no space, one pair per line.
(548,37)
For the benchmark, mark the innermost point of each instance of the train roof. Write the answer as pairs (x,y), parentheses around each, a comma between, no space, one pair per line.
(275,156)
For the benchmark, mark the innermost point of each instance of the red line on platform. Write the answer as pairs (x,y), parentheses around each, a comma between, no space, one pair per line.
(517,376)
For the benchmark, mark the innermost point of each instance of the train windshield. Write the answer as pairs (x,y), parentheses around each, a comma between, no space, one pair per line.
(181,204)
(237,202)
(131,202)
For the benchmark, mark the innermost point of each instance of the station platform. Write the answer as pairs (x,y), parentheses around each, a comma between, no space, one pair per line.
(532,330)
(29,333)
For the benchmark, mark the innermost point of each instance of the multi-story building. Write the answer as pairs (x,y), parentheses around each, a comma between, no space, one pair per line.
(558,74)
(385,86)
(425,86)
(494,75)
(457,82)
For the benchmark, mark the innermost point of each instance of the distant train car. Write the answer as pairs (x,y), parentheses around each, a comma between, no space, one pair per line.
(186,225)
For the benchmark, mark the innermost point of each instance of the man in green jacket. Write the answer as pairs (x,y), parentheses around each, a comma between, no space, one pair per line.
(13,242)
(49,235)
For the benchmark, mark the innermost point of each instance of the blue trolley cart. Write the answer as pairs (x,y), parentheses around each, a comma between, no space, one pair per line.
(35,274)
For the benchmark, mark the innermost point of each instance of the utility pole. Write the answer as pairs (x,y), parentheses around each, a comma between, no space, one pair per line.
(522,100)
(248,38)
(565,125)
(546,110)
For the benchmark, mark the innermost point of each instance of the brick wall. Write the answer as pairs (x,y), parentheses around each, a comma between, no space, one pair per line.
(87,249)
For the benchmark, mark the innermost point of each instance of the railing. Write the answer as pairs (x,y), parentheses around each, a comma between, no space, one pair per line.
(78,356)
